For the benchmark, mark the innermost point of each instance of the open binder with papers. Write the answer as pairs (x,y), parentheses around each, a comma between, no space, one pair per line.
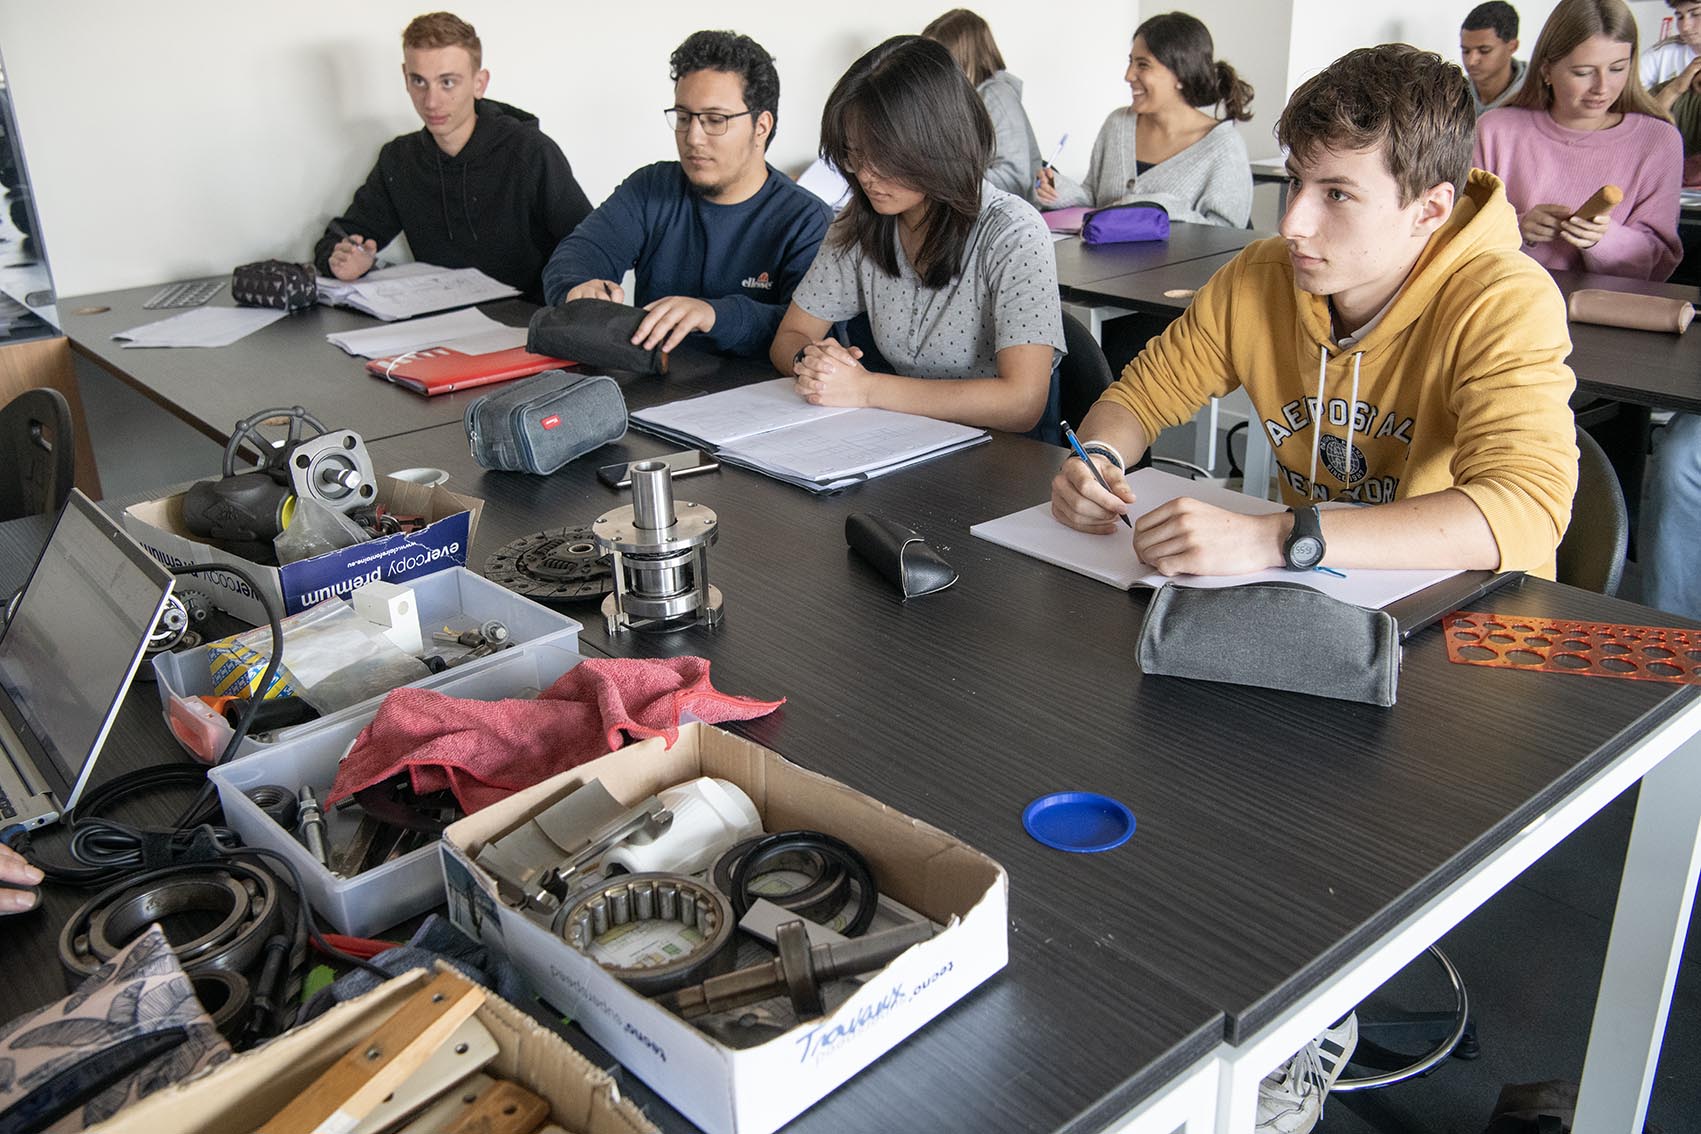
(407,290)
(766,427)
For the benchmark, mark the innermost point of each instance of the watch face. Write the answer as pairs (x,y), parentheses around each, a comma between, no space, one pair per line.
(1305,552)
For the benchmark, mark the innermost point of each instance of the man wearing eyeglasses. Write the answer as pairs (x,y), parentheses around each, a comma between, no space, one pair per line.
(718,239)
(479,187)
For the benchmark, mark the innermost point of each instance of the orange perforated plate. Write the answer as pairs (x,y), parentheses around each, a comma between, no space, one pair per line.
(1587,649)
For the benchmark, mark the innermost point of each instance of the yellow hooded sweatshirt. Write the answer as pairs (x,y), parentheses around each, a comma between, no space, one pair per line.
(1461,384)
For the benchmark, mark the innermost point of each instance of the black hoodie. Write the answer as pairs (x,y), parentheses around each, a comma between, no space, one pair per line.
(500,205)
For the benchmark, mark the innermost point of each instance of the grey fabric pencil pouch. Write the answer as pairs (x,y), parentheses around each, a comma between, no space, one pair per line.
(1274,636)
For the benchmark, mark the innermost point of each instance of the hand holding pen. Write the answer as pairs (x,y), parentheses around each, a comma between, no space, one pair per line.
(1087,501)
(353,255)
(1045,183)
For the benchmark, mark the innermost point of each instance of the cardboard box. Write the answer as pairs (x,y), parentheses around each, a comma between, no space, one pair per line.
(453,521)
(758,1089)
(247,1090)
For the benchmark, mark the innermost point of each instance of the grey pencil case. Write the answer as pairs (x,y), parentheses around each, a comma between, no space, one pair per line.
(1274,636)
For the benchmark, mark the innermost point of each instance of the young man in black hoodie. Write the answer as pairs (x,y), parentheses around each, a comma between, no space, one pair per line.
(479,187)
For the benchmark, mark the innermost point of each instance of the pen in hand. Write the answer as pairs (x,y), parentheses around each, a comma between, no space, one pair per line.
(1075,444)
(1055,154)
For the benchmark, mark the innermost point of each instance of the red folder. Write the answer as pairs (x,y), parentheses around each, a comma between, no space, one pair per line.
(443,370)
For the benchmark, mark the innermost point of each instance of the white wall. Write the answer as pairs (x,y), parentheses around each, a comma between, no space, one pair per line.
(1324,30)
(181,137)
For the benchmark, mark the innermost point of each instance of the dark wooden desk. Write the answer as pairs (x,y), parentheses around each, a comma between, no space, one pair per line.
(1068,1036)
(1164,290)
(1022,677)
(287,363)
(1080,264)
(961,707)
(1645,368)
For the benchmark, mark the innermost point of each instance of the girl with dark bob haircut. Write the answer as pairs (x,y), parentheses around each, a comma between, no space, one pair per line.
(1165,146)
(957,278)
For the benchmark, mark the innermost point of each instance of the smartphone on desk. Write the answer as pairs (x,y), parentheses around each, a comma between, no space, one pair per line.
(683,463)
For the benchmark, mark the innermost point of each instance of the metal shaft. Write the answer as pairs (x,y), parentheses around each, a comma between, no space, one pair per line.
(799,973)
(652,496)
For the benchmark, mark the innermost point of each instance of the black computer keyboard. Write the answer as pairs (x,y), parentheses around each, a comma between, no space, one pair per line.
(192,293)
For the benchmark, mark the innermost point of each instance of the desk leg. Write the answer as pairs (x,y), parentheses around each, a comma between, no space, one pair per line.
(1648,929)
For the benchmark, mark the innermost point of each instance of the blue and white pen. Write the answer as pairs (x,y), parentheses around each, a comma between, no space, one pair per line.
(1057,153)
(1075,444)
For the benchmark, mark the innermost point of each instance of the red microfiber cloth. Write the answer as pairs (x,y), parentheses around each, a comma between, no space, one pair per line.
(484,751)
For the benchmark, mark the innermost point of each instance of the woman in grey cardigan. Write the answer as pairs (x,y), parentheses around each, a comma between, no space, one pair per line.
(1162,147)
(1016,153)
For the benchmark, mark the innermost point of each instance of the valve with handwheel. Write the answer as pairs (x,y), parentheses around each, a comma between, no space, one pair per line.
(255,499)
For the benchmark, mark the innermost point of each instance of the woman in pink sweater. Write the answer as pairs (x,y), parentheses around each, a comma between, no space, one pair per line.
(1582,120)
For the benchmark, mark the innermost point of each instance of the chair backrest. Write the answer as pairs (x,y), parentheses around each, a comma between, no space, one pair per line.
(36,453)
(1084,373)
(1592,553)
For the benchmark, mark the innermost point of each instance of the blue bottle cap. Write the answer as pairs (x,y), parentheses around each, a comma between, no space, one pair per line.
(1081,822)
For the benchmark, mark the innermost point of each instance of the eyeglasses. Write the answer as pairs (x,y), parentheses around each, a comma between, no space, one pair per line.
(714,122)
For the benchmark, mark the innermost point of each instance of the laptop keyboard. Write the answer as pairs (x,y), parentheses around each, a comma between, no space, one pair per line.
(190,294)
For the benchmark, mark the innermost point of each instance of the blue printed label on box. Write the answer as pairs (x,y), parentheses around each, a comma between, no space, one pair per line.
(393,559)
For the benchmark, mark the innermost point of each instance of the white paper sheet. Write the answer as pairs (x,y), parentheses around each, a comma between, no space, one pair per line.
(768,428)
(417,334)
(201,327)
(849,445)
(1111,559)
(727,416)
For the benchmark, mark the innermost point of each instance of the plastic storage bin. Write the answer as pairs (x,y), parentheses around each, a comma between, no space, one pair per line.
(453,597)
(374,901)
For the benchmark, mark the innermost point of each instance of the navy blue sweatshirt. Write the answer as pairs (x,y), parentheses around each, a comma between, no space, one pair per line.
(744,259)
(500,205)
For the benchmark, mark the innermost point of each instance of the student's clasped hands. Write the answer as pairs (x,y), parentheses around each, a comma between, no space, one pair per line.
(1181,537)
(1555,222)
(832,374)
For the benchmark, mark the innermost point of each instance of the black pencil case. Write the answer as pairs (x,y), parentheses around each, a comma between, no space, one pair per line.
(901,557)
(275,283)
(596,333)
(1274,636)
(540,423)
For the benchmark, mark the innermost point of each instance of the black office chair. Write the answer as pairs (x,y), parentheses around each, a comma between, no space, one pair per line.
(1591,555)
(36,453)
(1084,373)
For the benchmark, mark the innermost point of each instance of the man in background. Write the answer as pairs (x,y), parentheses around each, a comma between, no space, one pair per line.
(480,186)
(1487,39)
(718,239)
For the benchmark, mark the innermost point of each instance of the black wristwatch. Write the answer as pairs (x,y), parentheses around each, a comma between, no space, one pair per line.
(1303,549)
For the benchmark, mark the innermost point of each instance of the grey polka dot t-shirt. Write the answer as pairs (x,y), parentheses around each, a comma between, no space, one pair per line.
(1006,295)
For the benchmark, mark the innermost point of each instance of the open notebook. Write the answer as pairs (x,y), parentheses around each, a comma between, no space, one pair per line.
(768,428)
(1111,559)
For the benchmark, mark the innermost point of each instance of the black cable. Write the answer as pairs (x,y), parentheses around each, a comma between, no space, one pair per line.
(239,731)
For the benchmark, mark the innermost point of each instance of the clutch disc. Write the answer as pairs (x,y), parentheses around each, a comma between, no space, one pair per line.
(560,564)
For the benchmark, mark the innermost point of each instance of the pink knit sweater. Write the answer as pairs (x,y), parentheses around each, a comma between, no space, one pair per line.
(1543,163)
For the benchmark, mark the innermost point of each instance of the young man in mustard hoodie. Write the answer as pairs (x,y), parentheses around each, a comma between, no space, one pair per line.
(1398,347)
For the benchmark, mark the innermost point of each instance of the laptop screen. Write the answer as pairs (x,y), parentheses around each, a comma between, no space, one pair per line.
(73,643)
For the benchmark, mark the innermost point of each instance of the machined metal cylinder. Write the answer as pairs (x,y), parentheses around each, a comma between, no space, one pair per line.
(667,901)
(652,496)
